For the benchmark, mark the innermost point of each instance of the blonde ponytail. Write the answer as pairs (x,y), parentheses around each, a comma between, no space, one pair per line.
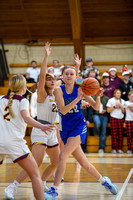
(16,83)
(10,104)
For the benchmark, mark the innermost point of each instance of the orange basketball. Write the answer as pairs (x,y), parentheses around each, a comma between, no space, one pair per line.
(90,86)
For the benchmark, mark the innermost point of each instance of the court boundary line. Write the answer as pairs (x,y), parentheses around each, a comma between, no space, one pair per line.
(124,185)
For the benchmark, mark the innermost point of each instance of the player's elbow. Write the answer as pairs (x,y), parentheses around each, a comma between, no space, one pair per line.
(26,119)
(63,112)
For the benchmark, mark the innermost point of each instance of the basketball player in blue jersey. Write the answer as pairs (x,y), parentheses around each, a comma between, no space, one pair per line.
(14,116)
(73,130)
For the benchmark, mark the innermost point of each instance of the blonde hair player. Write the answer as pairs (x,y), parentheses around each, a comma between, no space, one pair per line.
(14,116)
(47,113)
(73,130)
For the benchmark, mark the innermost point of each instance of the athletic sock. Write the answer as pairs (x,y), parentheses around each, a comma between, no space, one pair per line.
(101,180)
(44,183)
(55,187)
(16,183)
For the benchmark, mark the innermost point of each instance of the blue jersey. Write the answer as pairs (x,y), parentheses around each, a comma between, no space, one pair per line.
(74,118)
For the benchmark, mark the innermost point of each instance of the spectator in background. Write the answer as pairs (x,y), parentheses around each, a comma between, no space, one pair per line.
(51,70)
(100,120)
(107,86)
(85,111)
(57,68)
(88,115)
(115,106)
(92,74)
(131,77)
(126,85)
(114,80)
(32,72)
(129,121)
(88,67)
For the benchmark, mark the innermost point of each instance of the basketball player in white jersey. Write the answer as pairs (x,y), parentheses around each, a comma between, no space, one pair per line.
(47,114)
(14,116)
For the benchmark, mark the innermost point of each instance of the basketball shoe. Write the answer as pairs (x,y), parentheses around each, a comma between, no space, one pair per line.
(51,194)
(10,191)
(110,186)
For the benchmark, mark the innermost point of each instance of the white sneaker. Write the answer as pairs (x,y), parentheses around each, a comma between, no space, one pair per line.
(110,186)
(100,151)
(120,151)
(52,194)
(114,151)
(10,191)
(129,152)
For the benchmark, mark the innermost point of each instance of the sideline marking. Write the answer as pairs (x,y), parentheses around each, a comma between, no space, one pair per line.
(124,185)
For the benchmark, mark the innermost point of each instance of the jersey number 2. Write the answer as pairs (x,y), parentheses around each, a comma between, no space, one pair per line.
(7,114)
(54,108)
(74,109)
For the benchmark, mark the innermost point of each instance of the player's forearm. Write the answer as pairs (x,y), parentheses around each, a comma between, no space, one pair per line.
(65,109)
(97,104)
(29,120)
(44,66)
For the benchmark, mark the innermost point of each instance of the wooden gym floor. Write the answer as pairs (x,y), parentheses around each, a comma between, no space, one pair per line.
(77,183)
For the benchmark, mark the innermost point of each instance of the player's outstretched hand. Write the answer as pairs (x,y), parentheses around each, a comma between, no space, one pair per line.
(47,127)
(100,92)
(77,60)
(47,48)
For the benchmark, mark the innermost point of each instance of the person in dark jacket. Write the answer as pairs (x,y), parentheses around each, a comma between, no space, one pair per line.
(126,85)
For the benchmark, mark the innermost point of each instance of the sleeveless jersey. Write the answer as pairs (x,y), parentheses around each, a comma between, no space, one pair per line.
(47,110)
(74,117)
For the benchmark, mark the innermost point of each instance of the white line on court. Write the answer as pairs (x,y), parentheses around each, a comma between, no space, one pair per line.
(124,185)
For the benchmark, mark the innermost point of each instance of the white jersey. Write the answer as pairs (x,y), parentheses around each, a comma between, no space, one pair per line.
(116,113)
(129,113)
(46,111)
(12,130)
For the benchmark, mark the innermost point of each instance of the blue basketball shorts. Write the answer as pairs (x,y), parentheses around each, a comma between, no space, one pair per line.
(80,130)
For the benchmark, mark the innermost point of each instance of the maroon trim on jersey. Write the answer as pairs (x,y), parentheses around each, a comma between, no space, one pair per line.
(21,157)
(1,162)
(17,97)
(5,96)
(39,144)
(53,146)
(45,145)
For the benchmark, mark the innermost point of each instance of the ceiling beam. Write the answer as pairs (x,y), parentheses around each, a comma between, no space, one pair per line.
(25,19)
(76,24)
(76,18)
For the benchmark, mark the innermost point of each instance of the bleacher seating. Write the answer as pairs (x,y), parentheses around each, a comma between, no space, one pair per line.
(92,141)
(4,89)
